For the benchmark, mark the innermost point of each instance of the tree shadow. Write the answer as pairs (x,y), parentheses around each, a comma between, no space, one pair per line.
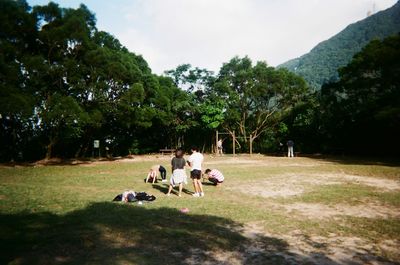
(359,160)
(115,233)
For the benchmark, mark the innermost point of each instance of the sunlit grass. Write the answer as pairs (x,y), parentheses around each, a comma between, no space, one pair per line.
(64,213)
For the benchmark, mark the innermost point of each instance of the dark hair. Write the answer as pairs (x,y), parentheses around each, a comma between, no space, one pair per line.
(179,153)
(194,148)
(207,170)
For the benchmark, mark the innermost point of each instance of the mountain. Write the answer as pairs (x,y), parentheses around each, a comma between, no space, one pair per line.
(321,63)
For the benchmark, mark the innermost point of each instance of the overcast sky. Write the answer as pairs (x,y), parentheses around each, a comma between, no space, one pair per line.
(207,33)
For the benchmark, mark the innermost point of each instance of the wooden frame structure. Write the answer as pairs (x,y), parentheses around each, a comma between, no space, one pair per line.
(251,139)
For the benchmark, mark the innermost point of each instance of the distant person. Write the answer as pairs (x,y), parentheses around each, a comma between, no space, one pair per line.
(195,161)
(281,149)
(214,176)
(220,147)
(178,172)
(290,145)
(153,174)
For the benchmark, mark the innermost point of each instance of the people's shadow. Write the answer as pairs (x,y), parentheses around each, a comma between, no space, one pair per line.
(208,184)
(164,188)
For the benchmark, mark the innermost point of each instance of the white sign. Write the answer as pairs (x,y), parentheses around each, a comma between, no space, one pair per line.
(96,143)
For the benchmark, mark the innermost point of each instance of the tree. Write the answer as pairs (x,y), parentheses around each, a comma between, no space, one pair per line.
(364,103)
(17,42)
(256,96)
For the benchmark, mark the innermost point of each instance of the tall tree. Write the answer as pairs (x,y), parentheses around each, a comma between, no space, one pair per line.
(364,103)
(18,33)
(256,96)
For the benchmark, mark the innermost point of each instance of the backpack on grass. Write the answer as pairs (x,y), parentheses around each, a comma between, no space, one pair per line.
(132,197)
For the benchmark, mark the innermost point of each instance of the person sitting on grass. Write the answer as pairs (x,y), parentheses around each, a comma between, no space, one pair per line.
(153,173)
(178,172)
(215,176)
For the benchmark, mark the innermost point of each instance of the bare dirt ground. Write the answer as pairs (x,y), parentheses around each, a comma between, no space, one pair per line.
(314,249)
(290,184)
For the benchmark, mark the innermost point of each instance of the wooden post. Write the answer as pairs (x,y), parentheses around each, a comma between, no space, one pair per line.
(233,143)
(251,144)
(216,143)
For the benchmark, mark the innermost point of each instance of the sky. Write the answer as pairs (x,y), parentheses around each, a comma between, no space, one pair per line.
(208,33)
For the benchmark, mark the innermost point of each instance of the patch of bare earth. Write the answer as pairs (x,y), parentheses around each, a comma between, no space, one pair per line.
(263,161)
(262,247)
(291,184)
(321,211)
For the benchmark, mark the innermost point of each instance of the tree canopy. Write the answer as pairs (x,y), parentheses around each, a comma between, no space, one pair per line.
(65,84)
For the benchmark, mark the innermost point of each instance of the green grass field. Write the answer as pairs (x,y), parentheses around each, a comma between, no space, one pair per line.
(270,210)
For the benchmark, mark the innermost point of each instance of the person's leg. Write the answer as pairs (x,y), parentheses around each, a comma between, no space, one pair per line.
(147,178)
(200,187)
(169,190)
(163,173)
(213,180)
(180,189)
(195,186)
(154,176)
(193,177)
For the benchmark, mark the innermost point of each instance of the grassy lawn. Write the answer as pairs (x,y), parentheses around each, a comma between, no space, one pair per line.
(270,210)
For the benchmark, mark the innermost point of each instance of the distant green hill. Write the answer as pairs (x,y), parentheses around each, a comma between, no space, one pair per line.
(321,63)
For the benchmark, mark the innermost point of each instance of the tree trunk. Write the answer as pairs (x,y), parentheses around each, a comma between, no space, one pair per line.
(49,149)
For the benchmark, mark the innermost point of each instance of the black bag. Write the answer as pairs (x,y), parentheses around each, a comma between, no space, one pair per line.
(143,196)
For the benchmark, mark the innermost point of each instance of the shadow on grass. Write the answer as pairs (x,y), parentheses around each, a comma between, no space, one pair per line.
(164,189)
(354,160)
(114,233)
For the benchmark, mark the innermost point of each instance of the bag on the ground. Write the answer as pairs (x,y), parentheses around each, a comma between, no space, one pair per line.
(143,196)
(132,197)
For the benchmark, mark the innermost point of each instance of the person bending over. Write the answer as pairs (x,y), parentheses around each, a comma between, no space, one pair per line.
(178,172)
(215,176)
(153,173)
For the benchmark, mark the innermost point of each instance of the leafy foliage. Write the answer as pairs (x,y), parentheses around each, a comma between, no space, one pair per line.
(64,84)
(361,111)
(256,96)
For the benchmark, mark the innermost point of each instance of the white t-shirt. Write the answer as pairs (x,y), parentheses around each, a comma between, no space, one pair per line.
(195,160)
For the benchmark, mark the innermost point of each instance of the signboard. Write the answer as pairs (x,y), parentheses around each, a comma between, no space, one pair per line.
(96,143)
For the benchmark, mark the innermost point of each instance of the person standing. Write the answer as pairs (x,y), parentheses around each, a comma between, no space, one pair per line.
(178,172)
(219,147)
(290,145)
(195,161)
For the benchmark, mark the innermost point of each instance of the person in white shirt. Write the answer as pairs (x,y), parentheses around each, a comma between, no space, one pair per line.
(219,147)
(195,161)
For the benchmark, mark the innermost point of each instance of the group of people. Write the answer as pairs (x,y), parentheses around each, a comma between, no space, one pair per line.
(179,177)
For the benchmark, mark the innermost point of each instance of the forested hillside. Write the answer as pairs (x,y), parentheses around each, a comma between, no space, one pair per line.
(321,63)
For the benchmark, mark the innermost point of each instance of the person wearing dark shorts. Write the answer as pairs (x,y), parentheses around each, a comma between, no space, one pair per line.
(195,174)
(195,161)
